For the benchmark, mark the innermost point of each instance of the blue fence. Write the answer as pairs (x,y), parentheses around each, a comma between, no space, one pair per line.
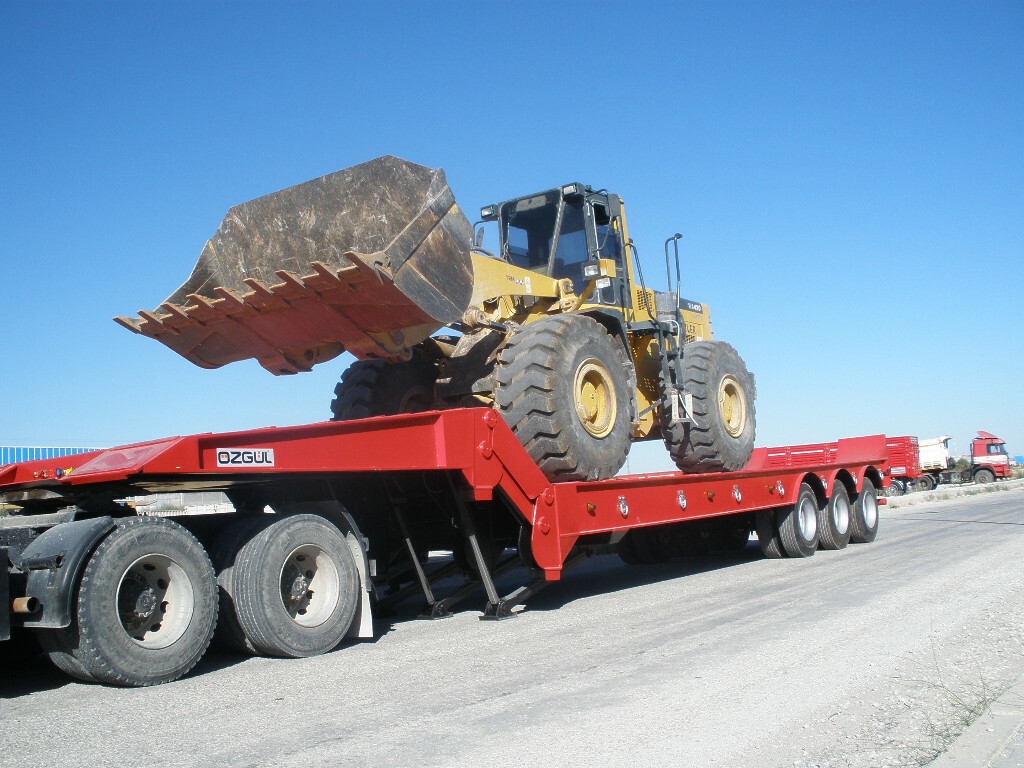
(12,454)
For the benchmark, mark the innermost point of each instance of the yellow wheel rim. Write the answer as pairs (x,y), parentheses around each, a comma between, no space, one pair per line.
(594,397)
(732,405)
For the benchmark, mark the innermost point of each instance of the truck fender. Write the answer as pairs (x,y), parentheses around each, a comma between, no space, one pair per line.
(54,562)
(362,623)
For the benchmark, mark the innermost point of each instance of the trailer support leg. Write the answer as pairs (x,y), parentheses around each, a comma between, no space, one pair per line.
(502,609)
(428,593)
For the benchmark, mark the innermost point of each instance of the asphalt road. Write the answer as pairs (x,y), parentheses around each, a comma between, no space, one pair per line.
(870,656)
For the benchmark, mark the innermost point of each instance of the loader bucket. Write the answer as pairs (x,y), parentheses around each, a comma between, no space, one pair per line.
(371,259)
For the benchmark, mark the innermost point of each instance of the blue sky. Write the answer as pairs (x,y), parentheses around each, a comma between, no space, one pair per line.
(848,177)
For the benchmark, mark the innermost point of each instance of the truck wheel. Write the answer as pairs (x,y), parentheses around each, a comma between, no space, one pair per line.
(984,476)
(766,526)
(376,388)
(864,514)
(896,488)
(147,606)
(834,520)
(563,389)
(721,436)
(229,632)
(927,483)
(798,525)
(295,587)
(56,644)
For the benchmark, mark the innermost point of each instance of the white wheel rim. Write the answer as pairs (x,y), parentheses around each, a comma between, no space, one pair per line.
(155,601)
(310,585)
(841,515)
(870,511)
(807,519)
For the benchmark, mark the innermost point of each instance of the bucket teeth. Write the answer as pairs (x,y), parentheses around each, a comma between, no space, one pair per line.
(369,260)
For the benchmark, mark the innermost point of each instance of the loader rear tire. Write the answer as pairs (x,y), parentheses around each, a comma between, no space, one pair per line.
(563,388)
(721,436)
(377,388)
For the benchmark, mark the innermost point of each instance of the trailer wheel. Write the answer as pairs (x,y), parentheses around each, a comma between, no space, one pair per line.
(657,544)
(834,520)
(295,587)
(377,388)
(721,436)
(147,606)
(798,525)
(984,476)
(766,526)
(563,388)
(626,551)
(864,515)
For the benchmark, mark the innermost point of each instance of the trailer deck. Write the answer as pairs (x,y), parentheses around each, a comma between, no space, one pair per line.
(473,442)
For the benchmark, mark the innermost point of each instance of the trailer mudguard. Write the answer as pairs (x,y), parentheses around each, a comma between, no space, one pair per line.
(54,562)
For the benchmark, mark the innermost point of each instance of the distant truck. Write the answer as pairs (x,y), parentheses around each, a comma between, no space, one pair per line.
(928,463)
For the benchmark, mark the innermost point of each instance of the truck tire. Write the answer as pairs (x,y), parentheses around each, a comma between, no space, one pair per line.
(766,526)
(295,587)
(834,520)
(864,514)
(146,608)
(927,483)
(984,476)
(377,388)
(225,550)
(56,644)
(563,388)
(721,436)
(798,525)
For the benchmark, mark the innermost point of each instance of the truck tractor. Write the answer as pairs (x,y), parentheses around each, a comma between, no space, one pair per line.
(557,330)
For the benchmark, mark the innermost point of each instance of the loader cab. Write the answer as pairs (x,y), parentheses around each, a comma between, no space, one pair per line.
(559,232)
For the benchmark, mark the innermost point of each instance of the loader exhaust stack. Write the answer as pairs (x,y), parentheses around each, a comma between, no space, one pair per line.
(371,259)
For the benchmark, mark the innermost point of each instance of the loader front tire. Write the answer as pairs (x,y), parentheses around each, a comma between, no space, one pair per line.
(720,438)
(377,388)
(563,388)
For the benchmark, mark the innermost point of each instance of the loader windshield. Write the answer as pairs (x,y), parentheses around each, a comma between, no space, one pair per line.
(530,242)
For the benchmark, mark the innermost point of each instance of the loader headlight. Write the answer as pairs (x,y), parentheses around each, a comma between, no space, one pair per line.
(489,212)
(604,282)
(592,269)
(572,191)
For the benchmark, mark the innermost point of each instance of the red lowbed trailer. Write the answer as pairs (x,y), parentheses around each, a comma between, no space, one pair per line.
(334,521)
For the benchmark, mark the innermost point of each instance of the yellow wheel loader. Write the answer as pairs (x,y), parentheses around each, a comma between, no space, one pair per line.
(556,330)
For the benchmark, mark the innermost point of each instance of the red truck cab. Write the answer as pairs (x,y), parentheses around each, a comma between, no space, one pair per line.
(989,452)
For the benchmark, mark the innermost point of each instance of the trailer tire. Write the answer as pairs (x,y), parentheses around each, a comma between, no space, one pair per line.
(720,438)
(626,551)
(984,476)
(657,544)
(295,587)
(146,607)
(377,388)
(864,514)
(834,520)
(563,387)
(766,526)
(798,524)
